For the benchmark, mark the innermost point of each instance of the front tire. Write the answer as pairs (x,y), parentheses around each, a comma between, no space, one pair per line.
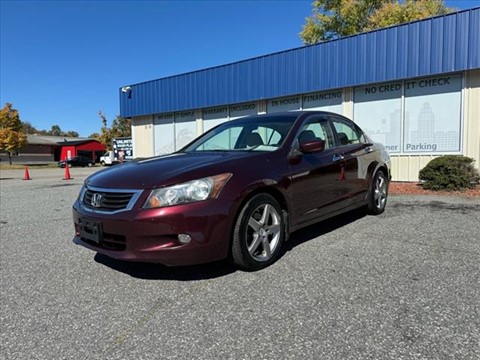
(378,193)
(258,234)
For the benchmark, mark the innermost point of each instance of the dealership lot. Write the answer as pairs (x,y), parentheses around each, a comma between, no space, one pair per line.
(405,284)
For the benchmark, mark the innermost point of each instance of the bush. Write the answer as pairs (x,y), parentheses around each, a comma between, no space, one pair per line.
(450,172)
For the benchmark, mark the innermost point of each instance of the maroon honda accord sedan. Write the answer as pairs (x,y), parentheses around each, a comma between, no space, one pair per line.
(235,192)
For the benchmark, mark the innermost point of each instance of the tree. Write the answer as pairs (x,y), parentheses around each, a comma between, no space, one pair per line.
(71,133)
(12,136)
(105,134)
(95,136)
(28,128)
(56,131)
(396,13)
(332,19)
(121,127)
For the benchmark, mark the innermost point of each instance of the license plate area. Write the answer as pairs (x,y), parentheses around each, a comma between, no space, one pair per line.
(90,230)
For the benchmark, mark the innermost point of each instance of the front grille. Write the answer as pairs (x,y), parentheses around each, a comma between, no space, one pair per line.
(107,201)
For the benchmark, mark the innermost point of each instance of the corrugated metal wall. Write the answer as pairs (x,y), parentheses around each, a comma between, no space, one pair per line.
(432,46)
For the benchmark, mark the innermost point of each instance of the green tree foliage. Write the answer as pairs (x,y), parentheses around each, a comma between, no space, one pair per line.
(28,128)
(332,19)
(121,127)
(72,133)
(396,13)
(56,130)
(12,136)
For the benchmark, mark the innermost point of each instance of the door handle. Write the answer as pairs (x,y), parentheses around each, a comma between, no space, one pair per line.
(337,157)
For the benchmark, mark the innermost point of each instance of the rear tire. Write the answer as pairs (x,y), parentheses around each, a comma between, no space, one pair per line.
(378,193)
(258,234)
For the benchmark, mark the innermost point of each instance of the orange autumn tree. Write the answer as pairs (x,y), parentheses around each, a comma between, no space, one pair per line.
(12,136)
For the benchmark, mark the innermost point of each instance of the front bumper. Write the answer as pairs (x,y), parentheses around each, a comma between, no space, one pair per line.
(152,235)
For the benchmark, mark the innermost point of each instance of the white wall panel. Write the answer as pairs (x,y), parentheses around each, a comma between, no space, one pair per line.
(185,128)
(163,129)
(142,136)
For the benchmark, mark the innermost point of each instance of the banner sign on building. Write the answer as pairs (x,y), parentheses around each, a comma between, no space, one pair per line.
(240,110)
(214,116)
(377,110)
(123,148)
(432,114)
(284,104)
(326,101)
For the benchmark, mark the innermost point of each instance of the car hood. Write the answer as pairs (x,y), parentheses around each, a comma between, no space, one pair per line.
(163,170)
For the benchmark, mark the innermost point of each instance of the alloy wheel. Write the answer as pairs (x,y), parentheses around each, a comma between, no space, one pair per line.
(263,232)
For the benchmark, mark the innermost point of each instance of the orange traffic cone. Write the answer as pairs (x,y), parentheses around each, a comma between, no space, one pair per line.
(67,173)
(342,174)
(26,175)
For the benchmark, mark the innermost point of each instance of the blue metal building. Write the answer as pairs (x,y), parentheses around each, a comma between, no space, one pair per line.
(412,68)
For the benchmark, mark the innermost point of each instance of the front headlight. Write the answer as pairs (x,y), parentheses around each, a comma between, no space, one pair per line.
(192,191)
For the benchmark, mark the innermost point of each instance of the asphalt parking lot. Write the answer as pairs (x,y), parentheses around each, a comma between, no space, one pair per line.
(403,285)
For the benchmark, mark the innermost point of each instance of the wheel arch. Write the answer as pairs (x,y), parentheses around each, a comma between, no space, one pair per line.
(277,195)
(376,166)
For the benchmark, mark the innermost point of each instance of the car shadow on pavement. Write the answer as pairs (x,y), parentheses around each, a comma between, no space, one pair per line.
(323,227)
(151,271)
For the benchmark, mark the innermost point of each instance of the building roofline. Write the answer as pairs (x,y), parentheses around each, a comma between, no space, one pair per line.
(298,48)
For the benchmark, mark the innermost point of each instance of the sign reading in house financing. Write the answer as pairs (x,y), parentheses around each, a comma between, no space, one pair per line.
(284,104)
(326,101)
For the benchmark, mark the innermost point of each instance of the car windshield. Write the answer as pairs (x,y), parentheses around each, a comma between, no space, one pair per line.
(252,134)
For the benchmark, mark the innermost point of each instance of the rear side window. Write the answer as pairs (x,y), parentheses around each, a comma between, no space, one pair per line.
(346,133)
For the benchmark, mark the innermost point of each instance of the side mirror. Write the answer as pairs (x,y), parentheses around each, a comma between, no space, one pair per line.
(312,146)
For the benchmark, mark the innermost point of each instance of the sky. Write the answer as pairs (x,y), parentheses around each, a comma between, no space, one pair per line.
(61,62)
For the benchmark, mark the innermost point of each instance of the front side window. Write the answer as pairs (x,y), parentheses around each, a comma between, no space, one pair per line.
(316,130)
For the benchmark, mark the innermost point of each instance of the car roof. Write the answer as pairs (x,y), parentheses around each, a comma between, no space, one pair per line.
(281,116)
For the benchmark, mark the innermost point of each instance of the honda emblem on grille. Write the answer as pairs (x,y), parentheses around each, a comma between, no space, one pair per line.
(96,200)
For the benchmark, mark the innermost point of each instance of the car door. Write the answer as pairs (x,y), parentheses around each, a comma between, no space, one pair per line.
(355,151)
(314,177)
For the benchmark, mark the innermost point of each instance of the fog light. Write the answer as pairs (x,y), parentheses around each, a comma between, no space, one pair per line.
(184,238)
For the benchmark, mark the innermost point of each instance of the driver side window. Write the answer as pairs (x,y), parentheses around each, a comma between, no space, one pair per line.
(316,130)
